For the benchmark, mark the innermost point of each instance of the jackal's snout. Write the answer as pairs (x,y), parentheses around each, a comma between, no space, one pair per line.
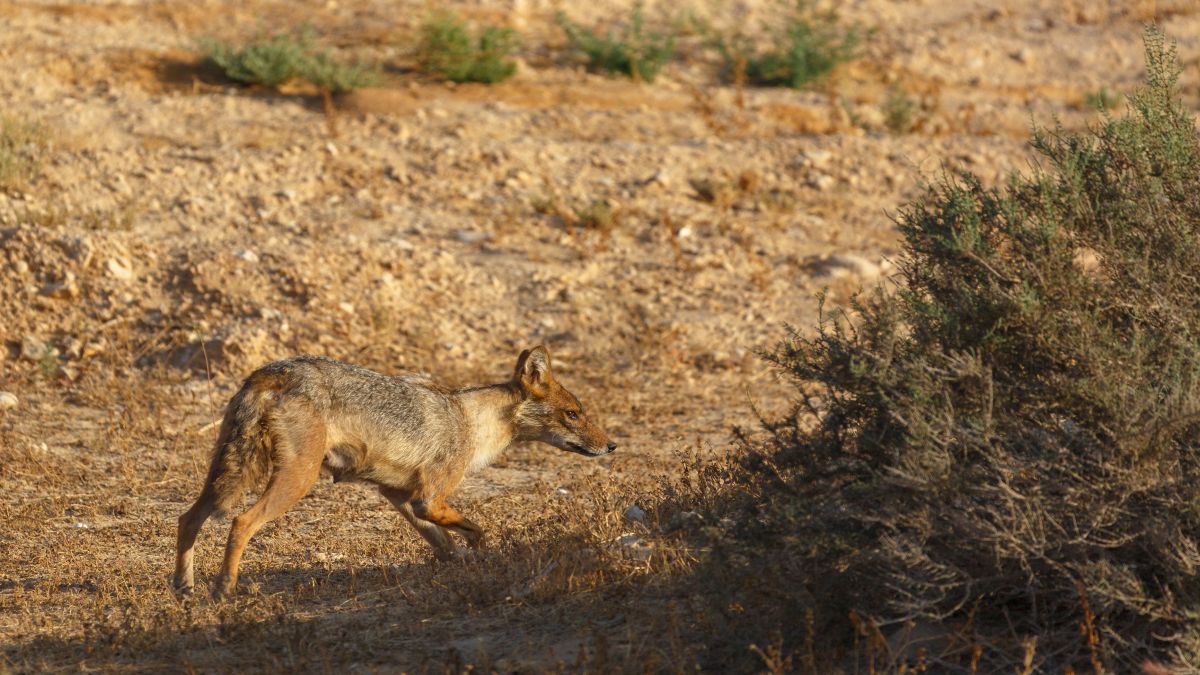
(552,414)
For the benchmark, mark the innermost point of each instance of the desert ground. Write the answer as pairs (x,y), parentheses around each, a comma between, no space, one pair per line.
(177,230)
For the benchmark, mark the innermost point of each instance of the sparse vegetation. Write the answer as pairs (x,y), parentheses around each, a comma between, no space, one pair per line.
(899,111)
(634,50)
(1101,99)
(20,142)
(1001,454)
(804,48)
(449,49)
(273,60)
(597,214)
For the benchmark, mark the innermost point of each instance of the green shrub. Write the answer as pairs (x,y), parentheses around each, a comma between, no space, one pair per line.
(1101,99)
(449,49)
(805,49)
(329,75)
(20,143)
(634,51)
(899,111)
(1008,446)
(271,61)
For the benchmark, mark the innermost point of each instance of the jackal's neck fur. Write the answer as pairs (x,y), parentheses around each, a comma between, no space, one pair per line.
(490,413)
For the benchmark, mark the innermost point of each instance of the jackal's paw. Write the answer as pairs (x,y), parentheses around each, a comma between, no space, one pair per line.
(468,554)
(222,589)
(182,588)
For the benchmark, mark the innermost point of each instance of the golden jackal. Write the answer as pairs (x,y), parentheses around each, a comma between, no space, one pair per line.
(294,417)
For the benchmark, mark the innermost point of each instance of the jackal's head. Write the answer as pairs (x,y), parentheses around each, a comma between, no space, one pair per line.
(551,414)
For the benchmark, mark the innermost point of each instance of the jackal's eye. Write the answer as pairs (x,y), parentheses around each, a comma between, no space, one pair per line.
(572,415)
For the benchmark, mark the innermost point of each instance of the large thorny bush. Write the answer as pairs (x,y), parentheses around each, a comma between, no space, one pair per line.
(1004,443)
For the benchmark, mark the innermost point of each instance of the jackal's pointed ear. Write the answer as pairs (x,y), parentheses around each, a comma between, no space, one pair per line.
(533,369)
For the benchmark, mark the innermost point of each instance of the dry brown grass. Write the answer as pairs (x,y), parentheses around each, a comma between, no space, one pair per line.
(338,582)
(91,485)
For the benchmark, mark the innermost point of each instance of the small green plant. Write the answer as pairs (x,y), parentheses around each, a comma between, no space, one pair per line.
(597,215)
(334,77)
(634,51)
(20,141)
(448,48)
(47,365)
(269,61)
(806,49)
(899,111)
(1101,99)
(272,60)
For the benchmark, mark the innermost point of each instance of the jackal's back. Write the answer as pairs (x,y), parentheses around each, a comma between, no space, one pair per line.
(363,407)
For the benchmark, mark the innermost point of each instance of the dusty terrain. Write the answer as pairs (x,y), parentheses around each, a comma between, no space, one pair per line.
(179,230)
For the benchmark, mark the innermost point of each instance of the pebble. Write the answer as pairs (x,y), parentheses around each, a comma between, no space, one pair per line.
(346,307)
(62,290)
(820,181)
(635,514)
(8,400)
(635,547)
(33,349)
(119,268)
(247,255)
(471,236)
(841,264)
(813,158)
(684,520)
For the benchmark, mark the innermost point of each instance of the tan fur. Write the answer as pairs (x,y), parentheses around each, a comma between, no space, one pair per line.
(413,439)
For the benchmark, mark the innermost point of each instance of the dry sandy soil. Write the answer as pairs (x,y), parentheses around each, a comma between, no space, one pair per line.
(178,231)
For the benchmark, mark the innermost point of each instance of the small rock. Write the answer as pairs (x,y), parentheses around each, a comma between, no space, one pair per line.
(635,514)
(62,290)
(562,491)
(346,307)
(820,181)
(1087,260)
(813,158)
(8,400)
(635,547)
(80,249)
(93,348)
(471,236)
(1023,55)
(660,178)
(247,255)
(842,264)
(33,349)
(684,520)
(684,232)
(21,267)
(119,268)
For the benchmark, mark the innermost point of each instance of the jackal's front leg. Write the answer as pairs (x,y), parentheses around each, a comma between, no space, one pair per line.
(444,547)
(437,511)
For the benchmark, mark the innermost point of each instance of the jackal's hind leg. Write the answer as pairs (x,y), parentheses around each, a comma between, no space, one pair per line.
(299,447)
(189,526)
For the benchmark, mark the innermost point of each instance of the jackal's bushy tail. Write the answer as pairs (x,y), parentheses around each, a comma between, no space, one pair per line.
(242,456)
